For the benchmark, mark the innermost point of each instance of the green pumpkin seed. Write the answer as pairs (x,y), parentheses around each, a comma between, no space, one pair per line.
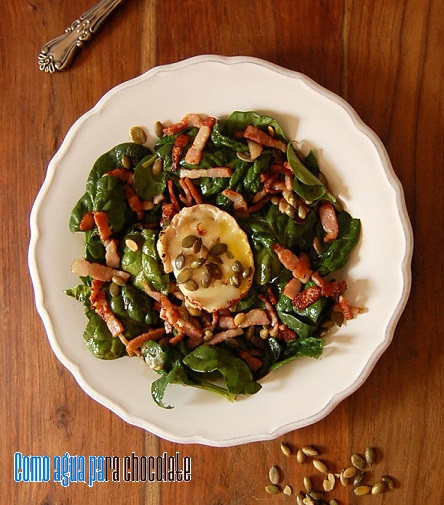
(188,241)
(389,481)
(214,270)
(218,249)
(229,255)
(179,262)
(370,455)
(317,495)
(197,263)
(379,487)
(246,273)
(205,279)
(274,475)
(138,135)
(359,477)
(237,267)
(284,447)
(358,461)
(158,129)
(362,490)
(197,245)
(191,285)
(236,279)
(184,275)
(214,259)
(272,489)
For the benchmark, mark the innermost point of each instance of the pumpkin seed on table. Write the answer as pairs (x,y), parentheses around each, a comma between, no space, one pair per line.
(358,461)
(308,484)
(300,456)
(379,487)
(308,450)
(389,481)
(287,490)
(274,475)
(370,455)
(272,489)
(320,466)
(358,478)
(362,490)
(285,448)
(349,472)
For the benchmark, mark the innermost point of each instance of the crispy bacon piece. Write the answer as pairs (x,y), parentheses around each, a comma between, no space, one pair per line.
(84,268)
(112,258)
(87,222)
(122,174)
(197,173)
(101,221)
(177,151)
(259,204)
(99,303)
(168,211)
(271,312)
(240,205)
(226,323)
(173,198)
(333,289)
(345,306)
(192,190)
(133,345)
(306,297)
(188,120)
(329,221)
(253,363)
(194,153)
(187,199)
(223,335)
(299,267)
(255,317)
(261,137)
(286,333)
(134,201)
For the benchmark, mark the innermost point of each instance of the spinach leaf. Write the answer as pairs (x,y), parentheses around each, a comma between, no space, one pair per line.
(334,255)
(81,293)
(238,121)
(236,374)
(310,347)
(144,264)
(146,183)
(105,163)
(99,340)
(132,305)
(306,185)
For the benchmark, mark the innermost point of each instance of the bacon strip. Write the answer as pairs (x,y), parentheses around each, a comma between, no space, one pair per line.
(271,314)
(253,362)
(261,137)
(188,198)
(194,153)
(112,258)
(255,317)
(84,268)
(87,222)
(329,221)
(292,288)
(299,267)
(197,173)
(134,201)
(305,298)
(133,345)
(122,174)
(173,198)
(223,335)
(101,220)
(193,190)
(177,151)
(240,205)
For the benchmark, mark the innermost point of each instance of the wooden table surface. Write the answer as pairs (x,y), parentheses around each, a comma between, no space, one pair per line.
(385,57)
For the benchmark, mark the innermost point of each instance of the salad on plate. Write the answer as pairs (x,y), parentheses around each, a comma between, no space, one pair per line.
(211,257)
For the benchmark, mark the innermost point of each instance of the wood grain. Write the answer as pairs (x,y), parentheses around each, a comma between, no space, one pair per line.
(385,58)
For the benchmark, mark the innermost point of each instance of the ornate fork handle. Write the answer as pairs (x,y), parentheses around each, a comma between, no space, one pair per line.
(58,53)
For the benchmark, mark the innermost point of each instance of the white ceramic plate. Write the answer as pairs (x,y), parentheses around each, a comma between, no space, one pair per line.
(378,275)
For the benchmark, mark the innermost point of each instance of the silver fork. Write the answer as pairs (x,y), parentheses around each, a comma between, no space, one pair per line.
(58,53)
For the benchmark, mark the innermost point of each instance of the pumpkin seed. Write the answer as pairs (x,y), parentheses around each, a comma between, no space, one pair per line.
(329,482)
(350,472)
(300,498)
(188,241)
(114,289)
(197,245)
(272,489)
(389,481)
(265,333)
(218,249)
(138,135)
(158,129)
(246,273)
(197,263)
(362,490)
(126,162)
(308,484)
(302,212)
(214,270)
(358,461)
(370,455)
(132,245)
(317,245)
(308,500)
(237,267)
(288,491)
(379,487)
(334,502)
(185,275)
(118,280)
(284,447)
(244,156)
(317,495)
(300,457)
(191,285)
(239,318)
(229,255)
(308,450)
(179,262)
(274,475)
(344,480)
(157,166)
(205,279)
(359,477)
(320,466)
(215,259)
(236,279)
